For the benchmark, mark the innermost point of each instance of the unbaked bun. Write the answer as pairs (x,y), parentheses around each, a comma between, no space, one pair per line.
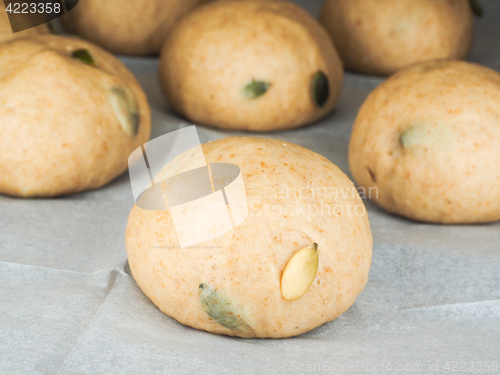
(428,140)
(71,115)
(257,65)
(382,36)
(299,259)
(127,27)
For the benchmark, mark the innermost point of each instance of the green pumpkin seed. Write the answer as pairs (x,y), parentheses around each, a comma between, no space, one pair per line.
(84,56)
(220,309)
(255,89)
(320,88)
(423,136)
(477,8)
(126,109)
(407,138)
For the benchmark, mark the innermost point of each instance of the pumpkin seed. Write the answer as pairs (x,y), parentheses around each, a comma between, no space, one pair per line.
(477,8)
(220,309)
(407,138)
(126,109)
(84,56)
(255,89)
(299,273)
(425,136)
(320,88)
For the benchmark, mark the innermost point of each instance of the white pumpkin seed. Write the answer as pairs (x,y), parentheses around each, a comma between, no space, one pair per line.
(299,273)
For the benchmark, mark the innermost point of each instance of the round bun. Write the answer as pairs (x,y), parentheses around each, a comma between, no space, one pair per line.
(429,140)
(131,28)
(71,115)
(234,284)
(6,33)
(257,65)
(383,36)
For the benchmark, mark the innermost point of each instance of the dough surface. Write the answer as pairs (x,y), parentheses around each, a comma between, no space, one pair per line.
(429,140)
(242,269)
(382,36)
(126,27)
(258,65)
(67,126)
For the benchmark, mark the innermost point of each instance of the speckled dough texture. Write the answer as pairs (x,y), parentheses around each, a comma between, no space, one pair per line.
(213,53)
(127,27)
(382,36)
(60,131)
(6,33)
(245,265)
(429,140)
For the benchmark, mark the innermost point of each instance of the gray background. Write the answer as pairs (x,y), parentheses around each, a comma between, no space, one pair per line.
(68,304)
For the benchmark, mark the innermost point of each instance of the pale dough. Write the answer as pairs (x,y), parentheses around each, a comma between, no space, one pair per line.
(429,140)
(127,27)
(215,56)
(285,185)
(382,36)
(67,126)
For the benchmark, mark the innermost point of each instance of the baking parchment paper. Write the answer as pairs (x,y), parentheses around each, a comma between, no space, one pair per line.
(68,304)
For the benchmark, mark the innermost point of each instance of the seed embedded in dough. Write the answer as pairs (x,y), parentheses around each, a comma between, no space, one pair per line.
(256,89)
(406,139)
(299,273)
(126,109)
(320,89)
(477,8)
(425,136)
(84,56)
(220,309)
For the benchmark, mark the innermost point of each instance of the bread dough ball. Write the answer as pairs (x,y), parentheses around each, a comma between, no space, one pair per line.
(295,198)
(429,140)
(131,28)
(6,33)
(68,123)
(382,36)
(257,65)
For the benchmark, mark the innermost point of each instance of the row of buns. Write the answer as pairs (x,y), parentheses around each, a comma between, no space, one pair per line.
(262,66)
(427,141)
